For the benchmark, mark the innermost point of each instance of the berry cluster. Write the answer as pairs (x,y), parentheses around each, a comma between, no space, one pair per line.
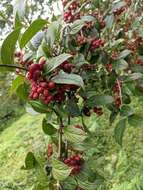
(96,43)
(119,11)
(135,44)
(116,90)
(81,40)
(99,19)
(48,91)
(70,14)
(88,25)
(42,91)
(98,111)
(20,58)
(41,88)
(76,163)
(66,66)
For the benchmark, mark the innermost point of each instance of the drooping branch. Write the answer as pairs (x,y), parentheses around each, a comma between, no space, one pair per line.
(13,67)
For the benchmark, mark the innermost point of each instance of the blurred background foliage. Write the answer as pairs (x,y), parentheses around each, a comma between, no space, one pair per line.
(10,106)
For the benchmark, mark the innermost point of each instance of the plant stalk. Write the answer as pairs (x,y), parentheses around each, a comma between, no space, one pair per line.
(60,147)
(13,67)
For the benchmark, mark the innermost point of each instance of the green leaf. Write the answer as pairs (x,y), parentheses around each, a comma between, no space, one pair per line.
(119,131)
(60,170)
(30,161)
(118,42)
(100,100)
(86,185)
(70,183)
(40,187)
(16,83)
(30,110)
(88,18)
(113,116)
(53,33)
(76,26)
(126,111)
(74,135)
(35,27)
(124,54)
(109,20)
(79,60)
(22,91)
(73,108)
(134,76)
(47,51)
(120,65)
(39,107)
(64,78)
(56,61)
(117,5)
(8,47)
(136,120)
(48,128)
(17,22)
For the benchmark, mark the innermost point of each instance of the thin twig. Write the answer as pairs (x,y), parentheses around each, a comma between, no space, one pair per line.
(120,91)
(13,67)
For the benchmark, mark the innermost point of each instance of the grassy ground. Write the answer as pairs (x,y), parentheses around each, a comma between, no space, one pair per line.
(15,142)
(121,167)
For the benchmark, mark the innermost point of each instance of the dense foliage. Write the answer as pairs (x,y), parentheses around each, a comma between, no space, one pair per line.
(74,66)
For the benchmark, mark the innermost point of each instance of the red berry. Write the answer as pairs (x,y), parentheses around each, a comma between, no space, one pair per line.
(51,85)
(18,54)
(34,89)
(86,111)
(50,150)
(78,126)
(42,62)
(40,90)
(49,99)
(68,67)
(34,67)
(46,93)
(118,102)
(81,40)
(139,62)
(35,95)
(109,67)
(36,75)
(43,84)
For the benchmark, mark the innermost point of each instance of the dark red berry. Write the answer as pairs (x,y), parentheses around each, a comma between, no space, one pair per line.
(35,95)
(75,162)
(46,93)
(34,67)
(86,111)
(51,85)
